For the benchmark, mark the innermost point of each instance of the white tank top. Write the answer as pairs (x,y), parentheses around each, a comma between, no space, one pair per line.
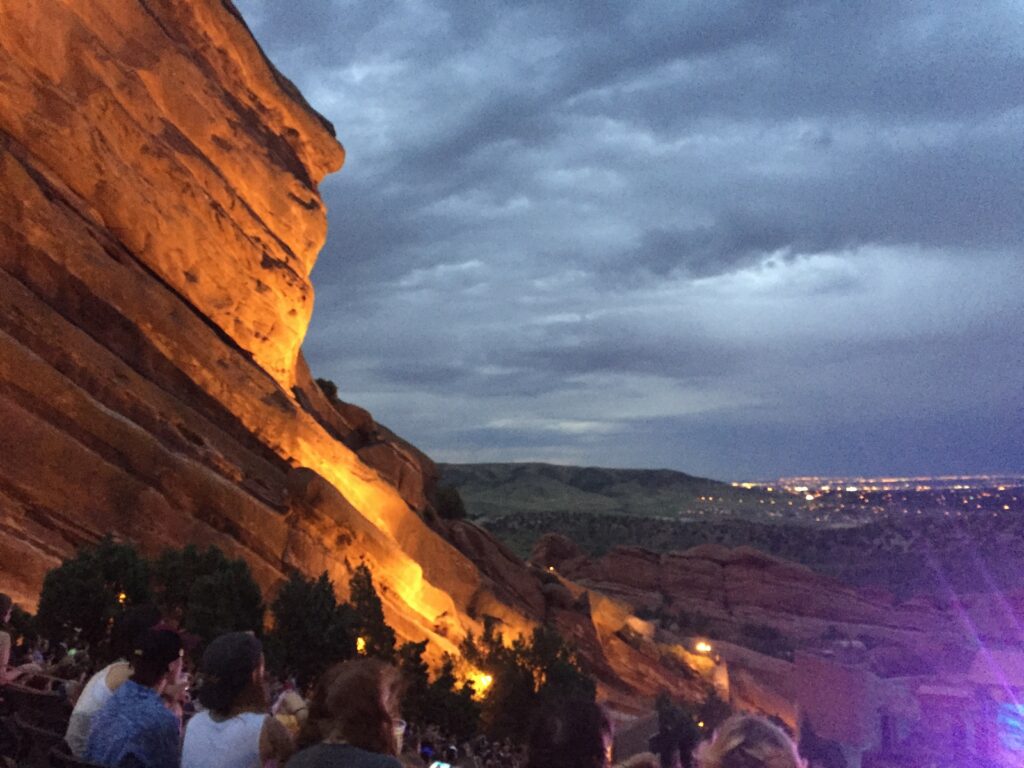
(93,697)
(231,743)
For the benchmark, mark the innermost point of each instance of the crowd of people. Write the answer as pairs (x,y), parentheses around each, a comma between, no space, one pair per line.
(149,708)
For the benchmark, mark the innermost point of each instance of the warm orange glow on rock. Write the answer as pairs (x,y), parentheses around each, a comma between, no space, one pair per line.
(159,218)
(481,683)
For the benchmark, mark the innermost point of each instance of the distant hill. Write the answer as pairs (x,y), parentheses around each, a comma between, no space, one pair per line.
(499,490)
(600,509)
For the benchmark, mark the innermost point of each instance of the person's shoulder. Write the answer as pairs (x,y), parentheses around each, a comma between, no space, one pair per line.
(364,759)
(198,722)
(340,756)
(115,675)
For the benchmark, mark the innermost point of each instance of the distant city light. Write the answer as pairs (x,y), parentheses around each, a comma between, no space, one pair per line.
(361,646)
(703,646)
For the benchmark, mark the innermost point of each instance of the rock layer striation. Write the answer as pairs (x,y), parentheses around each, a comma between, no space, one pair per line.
(159,218)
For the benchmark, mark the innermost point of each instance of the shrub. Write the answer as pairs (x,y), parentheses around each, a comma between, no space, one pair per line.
(207,592)
(82,596)
(311,631)
(368,616)
(449,503)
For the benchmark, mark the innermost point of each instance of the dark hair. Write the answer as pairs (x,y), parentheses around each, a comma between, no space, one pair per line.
(356,701)
(5,605)
(155,650)
(569,735)
(127,628)
(227,668)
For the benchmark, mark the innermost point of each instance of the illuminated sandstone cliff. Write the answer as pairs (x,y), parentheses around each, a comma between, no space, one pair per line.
(159,217)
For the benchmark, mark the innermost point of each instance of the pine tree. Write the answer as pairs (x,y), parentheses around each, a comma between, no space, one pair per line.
(210,593)
(378,639)
(416,679)
(311,631)
(82,596)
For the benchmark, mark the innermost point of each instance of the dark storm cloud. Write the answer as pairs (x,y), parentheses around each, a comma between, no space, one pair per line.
(737,238)
(604,232)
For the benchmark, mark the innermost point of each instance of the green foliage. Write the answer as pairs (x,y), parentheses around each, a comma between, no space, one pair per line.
(442,703)
(526,675)
(454,710)
(677,728)
(23,629)
(329,388)
(83,595)
(368,616)
(311,631)
(767,640)
(817,750)
(210,593)
(713,712)
(682,725)
(449,503)
(416,679)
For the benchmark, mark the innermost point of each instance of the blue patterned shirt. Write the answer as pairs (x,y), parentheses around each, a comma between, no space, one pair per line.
(134,730)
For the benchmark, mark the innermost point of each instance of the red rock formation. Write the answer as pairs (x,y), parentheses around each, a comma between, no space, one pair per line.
(736,587)
(159,217)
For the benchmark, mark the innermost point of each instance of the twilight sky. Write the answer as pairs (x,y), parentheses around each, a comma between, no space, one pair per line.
(739,239)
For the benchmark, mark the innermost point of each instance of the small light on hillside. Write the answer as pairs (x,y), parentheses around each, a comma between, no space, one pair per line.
(122,597)
(361,646)
(703,646)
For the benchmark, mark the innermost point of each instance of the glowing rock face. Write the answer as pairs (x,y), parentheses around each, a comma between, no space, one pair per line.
(159,218)
(187,149)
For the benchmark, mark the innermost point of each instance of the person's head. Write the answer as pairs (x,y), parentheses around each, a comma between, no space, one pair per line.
(156,658)
(127,628)
(745,741)
(357,702)
(6,608)
(571,735)
(232,667)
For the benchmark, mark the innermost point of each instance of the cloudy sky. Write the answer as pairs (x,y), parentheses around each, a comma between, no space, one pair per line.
(739,239)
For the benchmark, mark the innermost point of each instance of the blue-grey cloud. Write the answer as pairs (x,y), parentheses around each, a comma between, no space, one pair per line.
(712,236)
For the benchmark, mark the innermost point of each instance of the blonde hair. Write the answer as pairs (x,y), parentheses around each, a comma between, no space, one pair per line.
(745,741)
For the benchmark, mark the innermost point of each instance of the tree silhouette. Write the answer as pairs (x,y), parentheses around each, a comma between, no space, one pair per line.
(83,595)
(311,630)
(207,592)
(378,639)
